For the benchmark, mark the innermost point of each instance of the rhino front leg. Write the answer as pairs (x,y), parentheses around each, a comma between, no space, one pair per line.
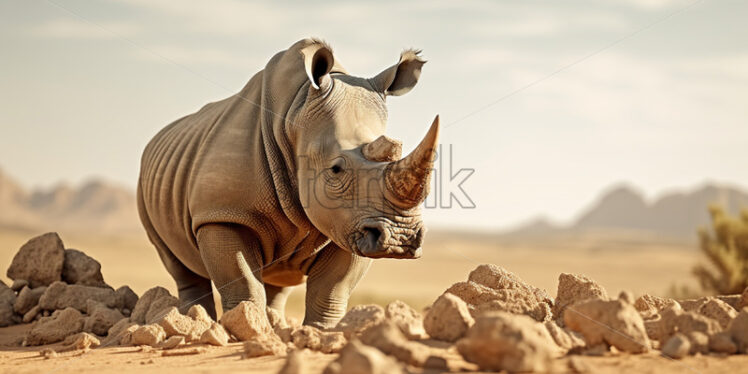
(231,256)
(332,278)
(277,297)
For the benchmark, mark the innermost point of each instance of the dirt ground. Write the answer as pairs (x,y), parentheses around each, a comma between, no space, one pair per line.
(616,264)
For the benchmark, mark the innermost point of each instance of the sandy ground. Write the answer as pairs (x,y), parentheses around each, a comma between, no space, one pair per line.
(616,263)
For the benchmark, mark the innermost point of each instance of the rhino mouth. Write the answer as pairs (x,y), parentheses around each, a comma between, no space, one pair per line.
(379,239)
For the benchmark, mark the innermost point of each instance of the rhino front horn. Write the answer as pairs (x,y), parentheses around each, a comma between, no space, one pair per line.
(408,179)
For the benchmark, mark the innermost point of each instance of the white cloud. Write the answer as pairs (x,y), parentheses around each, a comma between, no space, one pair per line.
(191,56)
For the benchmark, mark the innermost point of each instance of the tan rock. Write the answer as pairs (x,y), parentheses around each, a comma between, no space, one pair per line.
(127,296)
(151,304)
(677,346)
(79,268)
(699,342)
(407,319)
(738,329)
(614,322)
(731,300)
(356,358)
(650,306)
(7,299)
(127,333)
(215,335)
(564,338)
(692,305)
(718,310)
(100,318)
(27,299)
(574,288)
(172,342)
(39,261)
(118,331)
(246,321)
(55,328)
(503,341)
(675,320)
(721,342)
(18,284)
(175,323)
(359,318)
(31,314)
(81,340)
(264,345)
(448,319)
(317,340)
(151,335)
(390,340)
(743,300)
(60,296)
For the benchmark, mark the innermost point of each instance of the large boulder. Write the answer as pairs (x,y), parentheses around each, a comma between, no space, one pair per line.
(614,322)
(60,295)
(56,327)
(79,268)
(493,288)
(39,261)
(503,341)
(246,321)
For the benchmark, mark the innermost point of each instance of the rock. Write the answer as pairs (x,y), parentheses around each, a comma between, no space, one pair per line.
(81,340)
(699,342)
(677,346)
(317,340)
(356,358)
(743,300)
(246,321)
(276,319)
(39,261)
(153,301)
(151,335)
(294,363)
(614,322)
(175,323)
(692,305)
(718,310)
(406,319)
(100,318)
(201,321)
(60,296)
(263,345)
(7,299)
(172,342)
(675,320)
(31,314)
(574,288)
(27,299)
(650,306)
(738,329)
(18,284)
(503,341)
(360,318)
(448,319)
(118,331)
(492,288)
(731,300)
(390,340)
(564,338)
(79,268)
(127,296)
(721,342)
(215,335)
(55,328)
(126,336)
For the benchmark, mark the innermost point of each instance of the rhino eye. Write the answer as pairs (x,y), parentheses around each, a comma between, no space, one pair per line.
(336,169)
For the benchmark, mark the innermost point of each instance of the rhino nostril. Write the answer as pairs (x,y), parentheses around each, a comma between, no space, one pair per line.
(372,234)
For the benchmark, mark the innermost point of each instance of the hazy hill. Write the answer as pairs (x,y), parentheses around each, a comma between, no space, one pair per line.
(624,209)
(94,206)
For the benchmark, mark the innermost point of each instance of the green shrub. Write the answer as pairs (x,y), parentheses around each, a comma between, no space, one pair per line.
(726,248)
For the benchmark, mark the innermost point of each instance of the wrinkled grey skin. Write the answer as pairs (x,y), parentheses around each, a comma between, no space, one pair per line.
(290,180)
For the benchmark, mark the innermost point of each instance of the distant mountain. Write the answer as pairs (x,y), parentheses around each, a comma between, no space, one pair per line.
(94,206)
(624,208)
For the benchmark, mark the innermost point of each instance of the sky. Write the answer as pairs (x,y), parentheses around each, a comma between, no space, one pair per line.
(544,104)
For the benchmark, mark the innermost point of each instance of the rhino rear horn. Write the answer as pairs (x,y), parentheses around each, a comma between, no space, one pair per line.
(408,179)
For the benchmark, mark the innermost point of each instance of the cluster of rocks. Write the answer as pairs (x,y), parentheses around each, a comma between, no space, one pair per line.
(494,321)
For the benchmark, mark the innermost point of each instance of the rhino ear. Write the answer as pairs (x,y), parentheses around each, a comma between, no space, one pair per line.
(401,77)
(318,62)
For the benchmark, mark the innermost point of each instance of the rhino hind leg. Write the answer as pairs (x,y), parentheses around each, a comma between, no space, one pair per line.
(277,297)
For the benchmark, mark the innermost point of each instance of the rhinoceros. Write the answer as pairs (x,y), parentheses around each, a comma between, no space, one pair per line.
(290,180)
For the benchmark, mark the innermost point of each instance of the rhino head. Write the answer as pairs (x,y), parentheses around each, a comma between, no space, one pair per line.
(353,184)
